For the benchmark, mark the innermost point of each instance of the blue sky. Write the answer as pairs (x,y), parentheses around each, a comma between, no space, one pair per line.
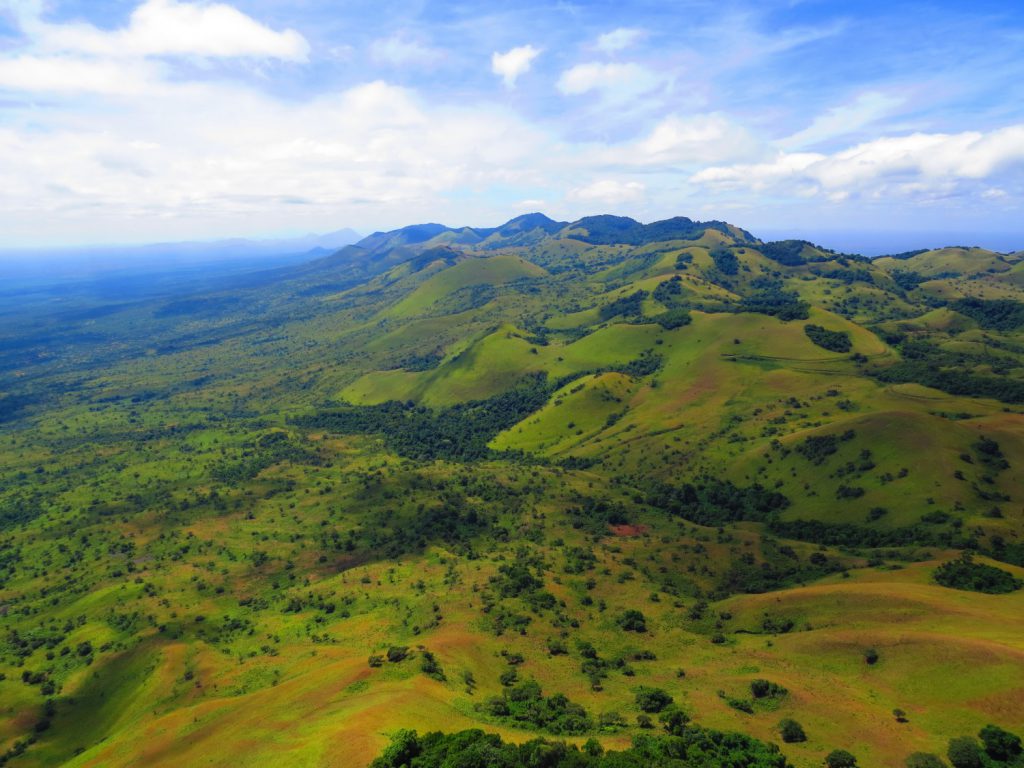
(143,120)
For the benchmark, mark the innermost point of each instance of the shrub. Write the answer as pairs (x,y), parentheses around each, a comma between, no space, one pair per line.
(763,689)
(397,653)
(924,760)
(632,621)
(791,731)
(840,758)
(431,667)
(652,699)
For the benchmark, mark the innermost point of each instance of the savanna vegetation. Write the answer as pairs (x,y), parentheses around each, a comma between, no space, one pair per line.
(596,493)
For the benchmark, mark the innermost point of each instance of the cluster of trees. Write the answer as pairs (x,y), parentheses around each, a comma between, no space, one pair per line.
(993,314)
(817,448)
(927,364)
(613,230)
(669,290)
(789,253)
(673,318)
(964,573)
(694,747)
(725,261)
(770,298)
(998,748)
(710,501)
(525,705)
(460,432)
(833,341)
(627,306)
(261,453)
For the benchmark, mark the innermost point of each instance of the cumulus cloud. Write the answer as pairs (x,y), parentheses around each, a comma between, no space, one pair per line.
(615,81)
(918,164)
(169,28)
(513,63)
(251,157)
(609,192)
(618,39)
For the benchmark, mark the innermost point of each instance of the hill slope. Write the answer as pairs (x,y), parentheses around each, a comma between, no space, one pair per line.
(390,487)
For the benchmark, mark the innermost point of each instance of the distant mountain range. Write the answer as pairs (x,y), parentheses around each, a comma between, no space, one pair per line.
(93,260)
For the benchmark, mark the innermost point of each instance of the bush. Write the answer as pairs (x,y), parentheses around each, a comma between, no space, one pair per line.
(632,621)
(791,731)
(840,758)
(652,699)
(431,667)
(397,653)
(764,689)
(924,760)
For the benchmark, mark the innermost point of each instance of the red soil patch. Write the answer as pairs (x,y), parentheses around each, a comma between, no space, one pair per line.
(629,530)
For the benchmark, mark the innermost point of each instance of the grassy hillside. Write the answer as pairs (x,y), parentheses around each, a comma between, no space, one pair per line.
(393,488)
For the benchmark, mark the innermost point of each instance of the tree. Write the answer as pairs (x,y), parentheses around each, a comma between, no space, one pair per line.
(1000,744)
(633,621)
(791,731)
(403,748)
(964,752)
(652,699)
(840,758)
(924,760)
(674,720)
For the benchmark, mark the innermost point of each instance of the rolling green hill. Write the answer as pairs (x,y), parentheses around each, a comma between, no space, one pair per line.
(514,479)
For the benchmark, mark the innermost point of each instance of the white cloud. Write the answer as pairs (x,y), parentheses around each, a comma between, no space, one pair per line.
(401,50)
(618,39)
(63,74)
(169,28)
(840,121)
(697,139)
(918,164)
(513,63)
(616,82)
(609,192)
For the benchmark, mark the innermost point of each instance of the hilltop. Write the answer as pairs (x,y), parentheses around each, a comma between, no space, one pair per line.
(392,486)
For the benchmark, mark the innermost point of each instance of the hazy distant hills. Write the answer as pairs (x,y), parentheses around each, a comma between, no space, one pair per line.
(91,261)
